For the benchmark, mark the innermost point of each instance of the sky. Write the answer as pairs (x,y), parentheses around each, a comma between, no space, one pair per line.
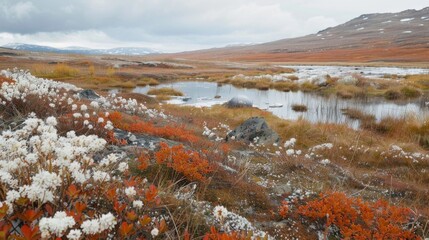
(177,25)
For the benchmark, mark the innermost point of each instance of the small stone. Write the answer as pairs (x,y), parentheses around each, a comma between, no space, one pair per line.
(132,138)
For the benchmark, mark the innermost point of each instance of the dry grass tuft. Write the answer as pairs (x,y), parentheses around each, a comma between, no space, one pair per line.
(165,92)
(357,114)
(393,94)
(299,108)
(410,92)
(147,81)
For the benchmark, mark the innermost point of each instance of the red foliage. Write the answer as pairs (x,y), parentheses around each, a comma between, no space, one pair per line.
(30,233)
(357,219)
(215,235)
(151,193)
(284,209)
(126,229)
(143,161)
(173,132)
(225,148)
(115,117)
(189,163)
(29,215)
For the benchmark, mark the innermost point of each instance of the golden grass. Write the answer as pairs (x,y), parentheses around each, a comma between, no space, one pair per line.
(357,114)
(410,92)
(126,84)
(349,91)
(64,70)
(285,86)
(308,87)
(162,97)
(396,93)
(147,81)
(419,81)
(165,92)
(393,94)
(263,85)
(57,71)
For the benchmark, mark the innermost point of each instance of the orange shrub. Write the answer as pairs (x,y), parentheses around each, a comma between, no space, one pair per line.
(284,209)
(143,161)
(215,235)
(356,219)
(173,132)
(189,163)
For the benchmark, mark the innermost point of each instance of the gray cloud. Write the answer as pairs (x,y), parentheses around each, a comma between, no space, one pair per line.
(175,25)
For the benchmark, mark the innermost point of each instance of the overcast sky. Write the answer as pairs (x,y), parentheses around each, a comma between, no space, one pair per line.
(176,25)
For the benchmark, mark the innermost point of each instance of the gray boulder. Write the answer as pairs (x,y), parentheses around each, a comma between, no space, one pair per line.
(88,94)
(255,127)
(239,101)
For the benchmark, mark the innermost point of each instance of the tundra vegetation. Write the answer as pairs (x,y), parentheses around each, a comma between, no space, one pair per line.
(75,168)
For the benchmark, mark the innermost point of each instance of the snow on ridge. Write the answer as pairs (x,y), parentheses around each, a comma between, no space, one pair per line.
(407,19)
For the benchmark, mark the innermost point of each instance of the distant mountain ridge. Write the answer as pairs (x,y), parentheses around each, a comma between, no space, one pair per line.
(388,37)
(131,51)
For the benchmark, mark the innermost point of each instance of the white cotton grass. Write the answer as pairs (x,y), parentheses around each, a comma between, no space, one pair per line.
(90,227)
(290,143)
(38,138)
(56,225)
(220,212)
(74,234)
(83,108)
(123,166)
(53,161)
(130,192)
(25,84)
(51,121)
(154,232)
(138,204)
(94,226)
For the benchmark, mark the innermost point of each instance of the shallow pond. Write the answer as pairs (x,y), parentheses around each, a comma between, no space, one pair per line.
(318,74)
(311,71)
(320,108)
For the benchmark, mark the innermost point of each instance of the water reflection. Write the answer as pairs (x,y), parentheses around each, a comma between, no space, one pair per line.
(320,108)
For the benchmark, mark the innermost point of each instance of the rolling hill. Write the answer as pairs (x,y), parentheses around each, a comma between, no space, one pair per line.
(386,37)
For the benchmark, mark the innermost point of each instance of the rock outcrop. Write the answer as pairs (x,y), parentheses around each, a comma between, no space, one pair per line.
(254,130)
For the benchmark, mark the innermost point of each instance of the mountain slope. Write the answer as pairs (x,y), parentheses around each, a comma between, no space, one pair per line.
(400,36)
(85,51)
